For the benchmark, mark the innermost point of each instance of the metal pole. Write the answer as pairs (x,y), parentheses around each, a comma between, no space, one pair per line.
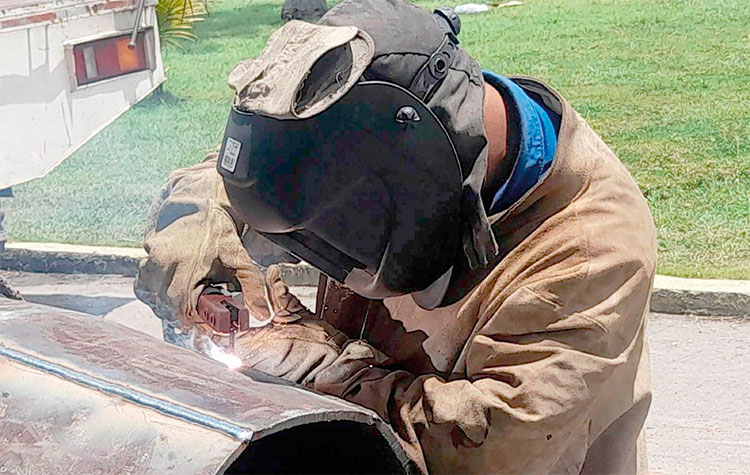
(137,23)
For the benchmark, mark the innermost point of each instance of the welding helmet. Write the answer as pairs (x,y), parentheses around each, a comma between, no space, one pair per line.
(358,146)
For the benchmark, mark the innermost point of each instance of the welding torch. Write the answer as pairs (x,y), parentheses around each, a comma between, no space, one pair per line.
(224,311)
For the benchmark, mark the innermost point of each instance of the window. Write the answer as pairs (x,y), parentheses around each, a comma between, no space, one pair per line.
(109,57)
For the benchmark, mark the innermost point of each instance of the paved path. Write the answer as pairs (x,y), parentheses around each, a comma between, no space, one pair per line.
(671,294)
(700,418)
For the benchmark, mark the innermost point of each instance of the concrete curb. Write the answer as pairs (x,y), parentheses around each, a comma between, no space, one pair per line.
(671,294)
(70,259)
(701,296)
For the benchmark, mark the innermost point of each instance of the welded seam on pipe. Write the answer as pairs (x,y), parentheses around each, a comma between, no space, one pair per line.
(162,406)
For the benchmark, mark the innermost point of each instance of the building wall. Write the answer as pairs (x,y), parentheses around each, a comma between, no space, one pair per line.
(44,117)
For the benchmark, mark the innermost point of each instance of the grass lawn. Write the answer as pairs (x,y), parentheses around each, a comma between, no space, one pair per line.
(666,83)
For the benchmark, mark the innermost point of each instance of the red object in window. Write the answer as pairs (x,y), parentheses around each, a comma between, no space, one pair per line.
(108,58)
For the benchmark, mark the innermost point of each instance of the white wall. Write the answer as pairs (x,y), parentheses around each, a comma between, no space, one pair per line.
(43,116)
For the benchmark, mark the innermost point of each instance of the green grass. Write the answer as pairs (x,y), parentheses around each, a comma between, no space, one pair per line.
(666,83)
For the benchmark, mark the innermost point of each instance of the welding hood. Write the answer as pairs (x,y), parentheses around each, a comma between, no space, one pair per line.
(361,149)
(368,191)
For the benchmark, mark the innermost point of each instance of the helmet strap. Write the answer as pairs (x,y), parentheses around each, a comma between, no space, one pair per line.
(434,70)
(479,243)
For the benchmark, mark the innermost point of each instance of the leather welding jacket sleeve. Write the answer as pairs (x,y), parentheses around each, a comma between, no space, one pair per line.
(533,371)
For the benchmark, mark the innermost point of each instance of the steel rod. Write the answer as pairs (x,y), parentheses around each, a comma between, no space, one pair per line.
(137,23)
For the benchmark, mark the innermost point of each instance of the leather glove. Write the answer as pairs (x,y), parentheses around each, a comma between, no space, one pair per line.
(296,351)
(192,240)
(296,345)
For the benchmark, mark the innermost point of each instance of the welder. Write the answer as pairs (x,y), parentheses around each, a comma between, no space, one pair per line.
(487,260)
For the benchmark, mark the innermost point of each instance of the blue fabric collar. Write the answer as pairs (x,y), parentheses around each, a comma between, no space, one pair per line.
(536,142)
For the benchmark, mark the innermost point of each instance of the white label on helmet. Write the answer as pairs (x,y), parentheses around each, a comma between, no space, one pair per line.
(230,155)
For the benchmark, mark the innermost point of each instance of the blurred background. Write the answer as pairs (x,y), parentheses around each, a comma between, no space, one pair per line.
(665,83)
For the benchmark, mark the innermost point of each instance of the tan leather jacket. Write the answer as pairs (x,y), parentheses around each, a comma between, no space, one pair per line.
(543,367)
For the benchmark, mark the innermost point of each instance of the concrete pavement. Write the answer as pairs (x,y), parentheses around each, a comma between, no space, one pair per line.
(102,295)
(107,296)
(700,418)
(671,294)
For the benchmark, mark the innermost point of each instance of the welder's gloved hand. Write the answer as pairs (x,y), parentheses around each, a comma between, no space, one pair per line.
(296,351)
(297,345)
(192,240)
(285,306)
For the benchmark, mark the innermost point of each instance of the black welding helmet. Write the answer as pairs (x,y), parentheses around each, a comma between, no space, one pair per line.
(365,180)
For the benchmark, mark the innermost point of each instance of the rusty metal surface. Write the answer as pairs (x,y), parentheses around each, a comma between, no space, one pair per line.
(80,394)
(55,426)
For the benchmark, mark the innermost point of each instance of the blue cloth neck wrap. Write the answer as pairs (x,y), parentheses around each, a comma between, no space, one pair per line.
(533,136)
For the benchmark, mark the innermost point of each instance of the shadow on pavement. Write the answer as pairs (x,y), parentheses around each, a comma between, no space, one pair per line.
(98,306)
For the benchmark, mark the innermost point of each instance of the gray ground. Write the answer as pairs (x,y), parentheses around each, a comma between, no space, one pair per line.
(699,422)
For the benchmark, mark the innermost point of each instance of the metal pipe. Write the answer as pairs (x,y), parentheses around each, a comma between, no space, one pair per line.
(136,24)
(83,394)
(166,407)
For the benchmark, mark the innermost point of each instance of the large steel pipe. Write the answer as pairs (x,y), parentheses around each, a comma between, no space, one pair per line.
(79,394)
